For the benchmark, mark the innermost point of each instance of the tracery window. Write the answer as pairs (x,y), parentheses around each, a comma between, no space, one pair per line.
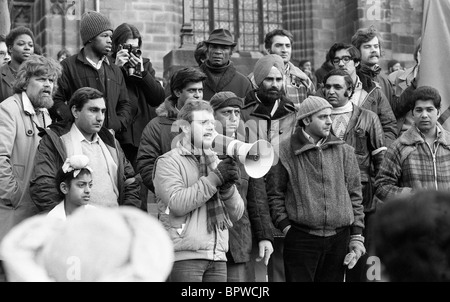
(247,20)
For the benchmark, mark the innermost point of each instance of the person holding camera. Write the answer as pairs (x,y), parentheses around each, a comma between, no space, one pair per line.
(144,91)
(90,67)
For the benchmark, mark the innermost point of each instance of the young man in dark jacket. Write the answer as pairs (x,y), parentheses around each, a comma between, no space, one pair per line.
(315,199)
(159,134)
(92,68)
(113,175)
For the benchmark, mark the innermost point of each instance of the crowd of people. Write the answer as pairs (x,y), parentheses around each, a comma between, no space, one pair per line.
(96,129)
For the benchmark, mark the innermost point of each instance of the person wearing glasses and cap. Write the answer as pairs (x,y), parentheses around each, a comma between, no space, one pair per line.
(219,69)
(366,93)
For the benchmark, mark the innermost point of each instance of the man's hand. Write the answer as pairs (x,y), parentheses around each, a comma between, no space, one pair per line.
(357,249)
(265,250)
(228,172)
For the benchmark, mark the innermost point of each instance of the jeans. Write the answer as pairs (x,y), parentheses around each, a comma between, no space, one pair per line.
(237,272)
(199,271)
(309,258)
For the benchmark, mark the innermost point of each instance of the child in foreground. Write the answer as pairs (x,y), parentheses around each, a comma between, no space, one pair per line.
(74,183)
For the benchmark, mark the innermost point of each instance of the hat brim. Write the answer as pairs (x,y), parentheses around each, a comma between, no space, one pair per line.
(221,42)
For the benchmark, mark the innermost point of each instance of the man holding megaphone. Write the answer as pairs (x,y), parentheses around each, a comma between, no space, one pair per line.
(255,222)
(197,191)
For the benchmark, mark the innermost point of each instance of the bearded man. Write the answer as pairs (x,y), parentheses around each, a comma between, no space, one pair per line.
(269,115)
(22,117)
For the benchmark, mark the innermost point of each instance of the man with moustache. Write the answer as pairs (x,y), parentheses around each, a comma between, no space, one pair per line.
(368,42)
(22,117)
(268,114)
(315,198)
(91,68)
(366,93)
(20,45)
(361,129)
(113,177)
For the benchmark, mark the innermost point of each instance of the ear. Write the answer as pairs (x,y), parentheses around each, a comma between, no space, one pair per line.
(177,93)
(64,188)
(307,121)
(74,112)
(357,64)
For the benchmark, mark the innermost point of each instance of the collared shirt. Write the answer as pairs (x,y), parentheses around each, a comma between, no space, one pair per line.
(41,116)
(435,143)
(59,211)
(105,190)
(309,137)
(100,62)
(297,89)
(357,97)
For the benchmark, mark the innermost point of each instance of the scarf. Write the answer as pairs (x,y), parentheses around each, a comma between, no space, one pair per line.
(341,117)
(371,71)
(217,214)
(218,77)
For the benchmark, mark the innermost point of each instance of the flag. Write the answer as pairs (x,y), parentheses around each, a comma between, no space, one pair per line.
(435,55)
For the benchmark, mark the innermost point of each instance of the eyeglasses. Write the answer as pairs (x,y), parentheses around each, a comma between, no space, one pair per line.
(344,59)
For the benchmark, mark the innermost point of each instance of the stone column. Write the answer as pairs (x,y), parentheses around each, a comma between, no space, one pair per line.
(5,19)
(183,56)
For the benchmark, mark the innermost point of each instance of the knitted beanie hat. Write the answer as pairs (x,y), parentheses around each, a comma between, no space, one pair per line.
(92,24)
(225,99)
(265,64)
(311,105)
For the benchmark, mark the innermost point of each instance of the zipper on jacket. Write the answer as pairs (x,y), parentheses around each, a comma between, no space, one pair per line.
(433,155)
(324,189)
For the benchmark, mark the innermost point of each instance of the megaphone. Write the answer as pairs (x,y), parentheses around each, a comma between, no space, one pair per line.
(257,157)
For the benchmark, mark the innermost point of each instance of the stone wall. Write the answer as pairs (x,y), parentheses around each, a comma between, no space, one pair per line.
(316,25)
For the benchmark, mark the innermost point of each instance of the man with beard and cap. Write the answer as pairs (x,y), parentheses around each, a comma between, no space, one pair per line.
(268,114)
(22,117)
(219,69)
(91,68)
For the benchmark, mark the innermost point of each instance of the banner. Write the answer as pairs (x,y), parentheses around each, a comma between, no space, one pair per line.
(435,55)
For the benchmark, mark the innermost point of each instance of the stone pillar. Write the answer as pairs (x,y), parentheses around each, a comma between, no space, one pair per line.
(183,56)
(5,21)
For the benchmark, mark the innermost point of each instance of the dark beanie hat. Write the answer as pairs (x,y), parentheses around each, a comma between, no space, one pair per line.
(225,99)
(265,64)
(92,24)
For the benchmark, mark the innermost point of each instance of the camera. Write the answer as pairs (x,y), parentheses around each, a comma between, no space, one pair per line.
(132,70)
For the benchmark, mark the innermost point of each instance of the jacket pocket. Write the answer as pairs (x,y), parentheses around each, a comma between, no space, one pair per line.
(19,171)
(360,142)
